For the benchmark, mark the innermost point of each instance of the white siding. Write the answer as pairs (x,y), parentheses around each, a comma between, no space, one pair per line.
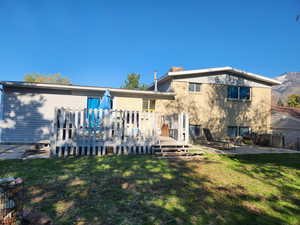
(28,116)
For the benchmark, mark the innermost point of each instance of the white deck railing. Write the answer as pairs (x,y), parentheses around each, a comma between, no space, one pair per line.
(95,132)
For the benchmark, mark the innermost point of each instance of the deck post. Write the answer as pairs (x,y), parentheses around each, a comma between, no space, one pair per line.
(187,130)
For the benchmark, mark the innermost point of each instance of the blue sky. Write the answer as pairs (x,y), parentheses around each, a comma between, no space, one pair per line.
(99,42)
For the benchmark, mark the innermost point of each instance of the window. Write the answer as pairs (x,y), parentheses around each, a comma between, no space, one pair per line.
(148,105)
(239,93)
(195,130)
(194,87)
(233,92)
(245,93)
(244,131)
(234,131)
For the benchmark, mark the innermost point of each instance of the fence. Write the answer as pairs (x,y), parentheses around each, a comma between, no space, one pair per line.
(100,132)
(11,200)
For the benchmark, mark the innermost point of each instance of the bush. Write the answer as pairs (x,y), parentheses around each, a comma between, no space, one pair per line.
(248,141)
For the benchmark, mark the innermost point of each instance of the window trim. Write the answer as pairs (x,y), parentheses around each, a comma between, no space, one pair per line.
(238,98)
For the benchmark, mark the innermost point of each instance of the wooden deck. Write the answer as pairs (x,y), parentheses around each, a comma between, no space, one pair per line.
(100,132)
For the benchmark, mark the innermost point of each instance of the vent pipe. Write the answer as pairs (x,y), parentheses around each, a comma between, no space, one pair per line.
(155,81)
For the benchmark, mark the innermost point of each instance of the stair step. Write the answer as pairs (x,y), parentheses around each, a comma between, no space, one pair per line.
(178,154)
(170,146)
(180,157)
(169,149)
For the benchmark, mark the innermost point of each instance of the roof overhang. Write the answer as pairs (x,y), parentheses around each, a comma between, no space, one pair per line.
(213,71)
(163,95)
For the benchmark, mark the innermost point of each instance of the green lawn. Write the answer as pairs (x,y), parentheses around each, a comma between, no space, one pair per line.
(135,190)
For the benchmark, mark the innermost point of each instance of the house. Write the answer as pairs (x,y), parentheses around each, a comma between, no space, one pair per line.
(28,108)
(227,101)
(286,121)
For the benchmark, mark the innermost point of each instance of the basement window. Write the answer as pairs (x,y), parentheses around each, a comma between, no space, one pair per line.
(234,131)
(195,130)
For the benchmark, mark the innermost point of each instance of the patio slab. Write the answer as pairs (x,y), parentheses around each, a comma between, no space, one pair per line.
(244,150)
(21,152)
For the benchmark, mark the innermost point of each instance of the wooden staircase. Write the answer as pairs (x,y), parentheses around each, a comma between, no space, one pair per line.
(170,148)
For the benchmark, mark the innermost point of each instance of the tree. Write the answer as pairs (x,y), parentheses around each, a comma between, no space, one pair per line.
(280,102)
(143,87)
(133,82)
(294,100)
(46,78)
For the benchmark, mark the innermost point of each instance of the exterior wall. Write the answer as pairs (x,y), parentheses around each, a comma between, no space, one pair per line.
(28,113)
(288,126)
(211,109)
(125,103)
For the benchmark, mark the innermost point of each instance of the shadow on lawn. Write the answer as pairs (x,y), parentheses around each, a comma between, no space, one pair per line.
(131,190)
(281,171)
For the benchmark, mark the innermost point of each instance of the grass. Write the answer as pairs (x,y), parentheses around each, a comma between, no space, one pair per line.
(135,190)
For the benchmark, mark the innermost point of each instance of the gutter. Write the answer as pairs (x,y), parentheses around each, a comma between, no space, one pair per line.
(248,75)
(79,87)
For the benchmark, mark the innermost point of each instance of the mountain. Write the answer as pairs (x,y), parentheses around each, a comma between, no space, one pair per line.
(290,84)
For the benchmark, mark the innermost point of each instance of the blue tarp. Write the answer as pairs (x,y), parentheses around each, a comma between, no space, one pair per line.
(93,103)
(96,103)
(105,102)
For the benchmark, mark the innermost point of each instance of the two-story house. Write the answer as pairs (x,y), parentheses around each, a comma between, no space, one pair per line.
(227,101)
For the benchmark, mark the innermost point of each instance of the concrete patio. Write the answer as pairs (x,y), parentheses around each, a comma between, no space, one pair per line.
(247,149)
(22,152)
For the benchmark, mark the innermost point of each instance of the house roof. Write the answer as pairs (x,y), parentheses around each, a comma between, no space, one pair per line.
(291,111)
(169,95)
(211,71)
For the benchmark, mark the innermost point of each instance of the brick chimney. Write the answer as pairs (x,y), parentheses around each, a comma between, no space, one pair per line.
(176,69)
